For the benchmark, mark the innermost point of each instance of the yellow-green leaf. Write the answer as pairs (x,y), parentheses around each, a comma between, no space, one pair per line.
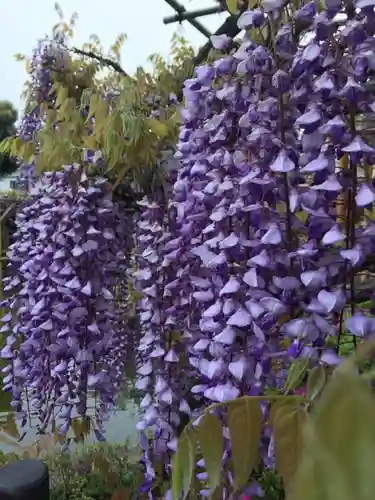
(19,57)
(260,34)
(59,11)
(296,373)
(183,464)
(315,382)
(210,436)
(176,118)
(232,6)
(339,458)
(94,100)
(10,427)
(244,422)
(16,146)
(27,151)
(321,6)
(61,97)
(287,419)
(6,145)
(157,127)
(302,216)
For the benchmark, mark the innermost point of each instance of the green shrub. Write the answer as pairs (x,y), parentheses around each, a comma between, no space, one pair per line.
(95,473)
(271,484)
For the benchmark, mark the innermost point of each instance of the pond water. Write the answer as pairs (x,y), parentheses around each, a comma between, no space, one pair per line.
(6,181)
(120,428)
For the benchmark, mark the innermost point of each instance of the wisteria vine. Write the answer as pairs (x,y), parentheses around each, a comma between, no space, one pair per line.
(267,263)
(251,263)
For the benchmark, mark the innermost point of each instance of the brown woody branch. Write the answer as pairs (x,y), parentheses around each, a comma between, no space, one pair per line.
(106,61)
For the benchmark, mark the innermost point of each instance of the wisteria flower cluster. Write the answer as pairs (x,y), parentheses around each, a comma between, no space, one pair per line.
(47,59)
(63,335)
(266,263)
(31,123)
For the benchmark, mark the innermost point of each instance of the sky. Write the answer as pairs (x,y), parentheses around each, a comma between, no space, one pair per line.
(23,22)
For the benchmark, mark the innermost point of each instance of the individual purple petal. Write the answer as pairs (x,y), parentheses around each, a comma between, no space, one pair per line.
(225,392)
(365,196)
(358,145)
(252,279)
(329,357)
(334,235)
(226,337)
(230,241)
(7,318)
(272,236)
(213,310)
(316,165)
(360,325)
(354,255)
(331,184)
(220,42)
(314,278)
(250,18)
(238,368)
(332,300)
(282,163)
(232,286)
(240,318)
(262,259)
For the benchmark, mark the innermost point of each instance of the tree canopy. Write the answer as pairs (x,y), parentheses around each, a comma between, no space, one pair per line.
(8,117)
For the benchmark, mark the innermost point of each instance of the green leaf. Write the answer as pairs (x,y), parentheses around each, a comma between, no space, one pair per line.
(210,436)
(296,374)
(287,419)
(16,146)
(244,422)
(183,464)
(321,6)
(19,57)
(302,216)
(6,145)
(61,97)
(232,6)
(315,382)
(339,459)
(157,127)
(366,305)
(59,11)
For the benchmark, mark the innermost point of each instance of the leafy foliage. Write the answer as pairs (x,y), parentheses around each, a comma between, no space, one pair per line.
(131,121)
(323,454)
(8,117)
(95,473)
(286,420)
(245,447)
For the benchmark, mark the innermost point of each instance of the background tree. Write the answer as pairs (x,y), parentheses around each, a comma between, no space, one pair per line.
(8,117)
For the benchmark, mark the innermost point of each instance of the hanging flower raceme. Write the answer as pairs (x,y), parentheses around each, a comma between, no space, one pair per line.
(151,345)
(61,324)
(47,59)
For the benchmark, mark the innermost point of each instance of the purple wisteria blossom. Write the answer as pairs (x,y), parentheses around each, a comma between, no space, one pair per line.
(64,338)
(266,266)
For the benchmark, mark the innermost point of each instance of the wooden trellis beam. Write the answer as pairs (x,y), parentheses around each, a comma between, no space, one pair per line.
(186,16)
(180,9)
